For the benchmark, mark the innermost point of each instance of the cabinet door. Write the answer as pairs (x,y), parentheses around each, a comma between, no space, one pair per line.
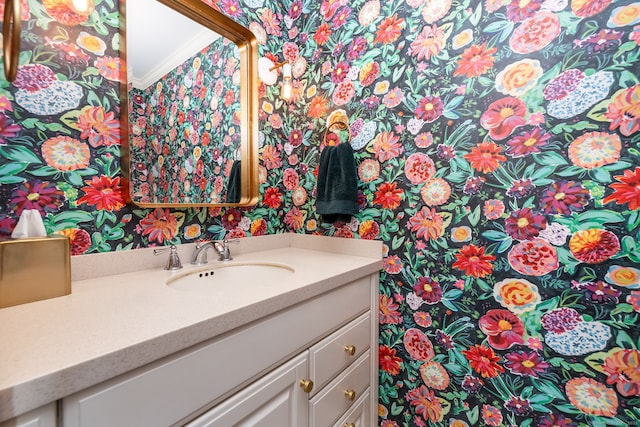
(44,416)
(274,400)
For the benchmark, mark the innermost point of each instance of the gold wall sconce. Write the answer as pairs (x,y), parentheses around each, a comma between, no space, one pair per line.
(11,27)
(267,73)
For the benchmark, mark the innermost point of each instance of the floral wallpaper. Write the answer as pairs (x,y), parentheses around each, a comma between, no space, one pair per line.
(187,127)
(498,160)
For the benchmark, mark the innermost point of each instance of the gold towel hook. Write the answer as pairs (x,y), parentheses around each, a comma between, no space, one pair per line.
(11,38)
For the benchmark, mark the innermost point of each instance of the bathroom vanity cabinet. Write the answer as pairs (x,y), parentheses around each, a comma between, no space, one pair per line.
(304,366)
(301,355)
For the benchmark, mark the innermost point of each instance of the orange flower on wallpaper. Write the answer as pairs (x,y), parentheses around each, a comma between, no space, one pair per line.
(389,30)
(65,154)
(475,61)
(485,157)
(65,12)
(594,245)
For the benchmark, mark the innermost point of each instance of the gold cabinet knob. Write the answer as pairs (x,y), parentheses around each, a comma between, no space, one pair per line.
(350,349)
(307,385)
(350,425)
(351,395)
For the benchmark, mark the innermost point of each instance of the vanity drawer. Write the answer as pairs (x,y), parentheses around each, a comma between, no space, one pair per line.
(331,355)
(359,414)
(331,402)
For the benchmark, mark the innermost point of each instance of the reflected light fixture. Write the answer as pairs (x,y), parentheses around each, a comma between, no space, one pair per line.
(267,73)
(81,6)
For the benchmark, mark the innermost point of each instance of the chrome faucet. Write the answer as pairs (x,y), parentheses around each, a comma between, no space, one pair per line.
(173,263)
(221,247)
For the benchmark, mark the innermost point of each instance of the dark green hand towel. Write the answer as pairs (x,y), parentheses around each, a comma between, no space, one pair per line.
(337,195)
(233,185)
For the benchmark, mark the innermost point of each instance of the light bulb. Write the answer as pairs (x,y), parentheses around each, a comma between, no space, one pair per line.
(81,6)
(285,91)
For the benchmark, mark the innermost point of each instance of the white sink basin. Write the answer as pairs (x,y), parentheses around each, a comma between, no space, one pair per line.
(230,273)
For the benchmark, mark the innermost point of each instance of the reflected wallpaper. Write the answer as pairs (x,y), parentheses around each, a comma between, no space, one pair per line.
(497,146)
(187,126)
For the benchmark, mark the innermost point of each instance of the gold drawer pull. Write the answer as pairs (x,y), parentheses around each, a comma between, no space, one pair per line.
(307,385)
(350,425)
(350,349)
(351,395)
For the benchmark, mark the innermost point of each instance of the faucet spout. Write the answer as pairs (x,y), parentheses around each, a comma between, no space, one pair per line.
(221,247)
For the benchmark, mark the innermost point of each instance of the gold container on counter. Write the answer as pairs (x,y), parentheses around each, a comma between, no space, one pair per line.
(33,269)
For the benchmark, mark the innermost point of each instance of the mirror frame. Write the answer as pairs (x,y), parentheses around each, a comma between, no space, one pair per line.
(248,51)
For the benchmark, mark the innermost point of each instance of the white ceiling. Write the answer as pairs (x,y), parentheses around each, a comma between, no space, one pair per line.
(159,39)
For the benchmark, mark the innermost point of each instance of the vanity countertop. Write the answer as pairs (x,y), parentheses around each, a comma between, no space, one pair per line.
(115,323)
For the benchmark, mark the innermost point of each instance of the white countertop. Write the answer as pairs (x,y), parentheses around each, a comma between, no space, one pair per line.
(112,324)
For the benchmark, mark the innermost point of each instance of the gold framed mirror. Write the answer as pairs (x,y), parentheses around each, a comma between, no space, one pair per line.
(190,126)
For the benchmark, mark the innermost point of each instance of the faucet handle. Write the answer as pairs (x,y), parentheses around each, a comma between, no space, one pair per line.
(173,263)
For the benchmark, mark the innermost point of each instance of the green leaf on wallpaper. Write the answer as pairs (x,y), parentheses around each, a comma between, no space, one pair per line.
(396,409)
(597,112)
(600,216)
(11,179)
(600,175)
(564,128)
(44,171)
(627,78)
(12,168)
(68,219)
(19,153)
(550,159)
(398,73)
(70,119)
(634,220)
(397,242)
(74,178)
(217,232)
(503,28)
(476,15)
(474,216)
(473,415)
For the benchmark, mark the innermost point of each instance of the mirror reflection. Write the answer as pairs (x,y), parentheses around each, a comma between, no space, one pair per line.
(184,109)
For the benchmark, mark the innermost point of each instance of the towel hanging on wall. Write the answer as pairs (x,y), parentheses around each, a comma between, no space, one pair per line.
(337,195)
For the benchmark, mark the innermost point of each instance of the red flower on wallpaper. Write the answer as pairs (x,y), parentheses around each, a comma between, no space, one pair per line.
(322,34)
(389,31)
(502,327)
(428,289)
(388,195)
(626,190)
(429,108)
(564,197)
(485,157)
(272,198)
(104,192)
(503,117)
(418,345)
(524,224)
(528,142)
(525,363)
(160,225)
(389,362)
(472,260)
(475,61)
(484,361)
